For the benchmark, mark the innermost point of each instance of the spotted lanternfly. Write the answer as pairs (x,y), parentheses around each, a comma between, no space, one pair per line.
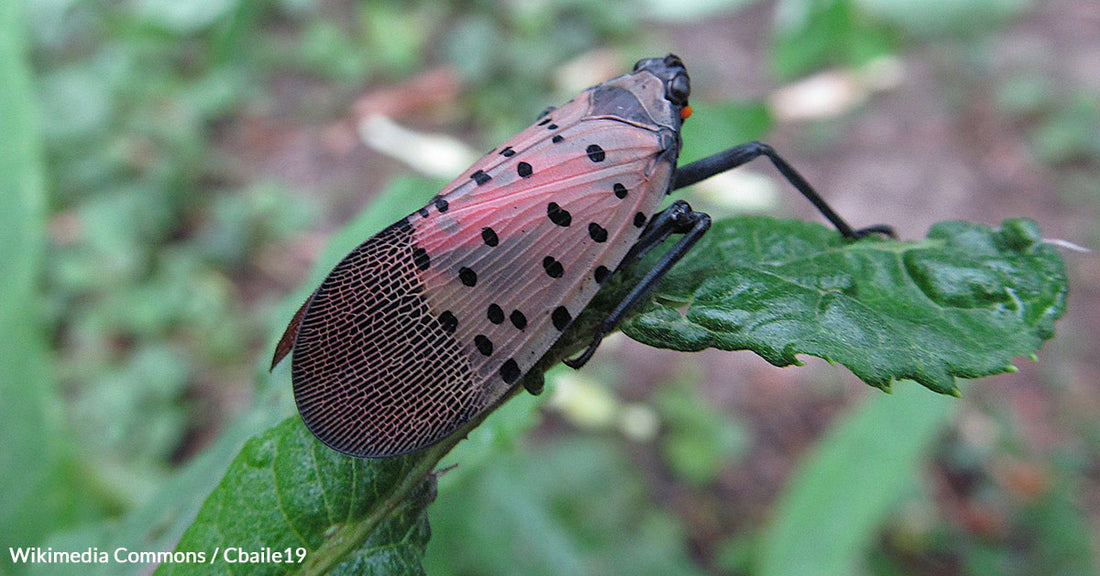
(430,322)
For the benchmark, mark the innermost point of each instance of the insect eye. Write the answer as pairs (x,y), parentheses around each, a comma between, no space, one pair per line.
(679,89)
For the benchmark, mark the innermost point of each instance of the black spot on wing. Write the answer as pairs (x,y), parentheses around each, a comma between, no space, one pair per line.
(519,320)
(448,321)
(558,215)
(481,178)
(483,344)
(467,276)
(597,233)
(489,236)
(509,371)
(561,318)
(553,267)
(495,313)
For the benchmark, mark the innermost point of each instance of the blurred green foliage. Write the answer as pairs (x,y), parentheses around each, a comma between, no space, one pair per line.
(576,506)
(131,233)
(32,437)
(699,440)
(844,492)
(812,34)
(147,224)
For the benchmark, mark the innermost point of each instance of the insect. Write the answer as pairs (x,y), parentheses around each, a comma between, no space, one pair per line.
(427,324)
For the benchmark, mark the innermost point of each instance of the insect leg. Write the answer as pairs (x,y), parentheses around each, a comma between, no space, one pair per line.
(738,155)
(678,218)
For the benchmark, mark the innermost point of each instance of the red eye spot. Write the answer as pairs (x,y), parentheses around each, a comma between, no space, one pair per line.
(685,112)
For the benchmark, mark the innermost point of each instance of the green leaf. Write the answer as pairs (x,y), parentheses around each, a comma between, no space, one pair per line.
(847,488)
(33,442)
(328,513)
(959,304)
(23,217)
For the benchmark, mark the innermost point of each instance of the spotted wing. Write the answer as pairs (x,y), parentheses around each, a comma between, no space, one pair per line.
(520,248)
(430,322)
(375,372)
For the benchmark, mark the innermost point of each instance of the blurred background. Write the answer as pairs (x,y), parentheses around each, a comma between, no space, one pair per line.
(188,162)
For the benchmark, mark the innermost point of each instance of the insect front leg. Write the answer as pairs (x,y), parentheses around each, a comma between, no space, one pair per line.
(728,160)
(678,218)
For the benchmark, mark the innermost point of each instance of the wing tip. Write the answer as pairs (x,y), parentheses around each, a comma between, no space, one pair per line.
(286,343)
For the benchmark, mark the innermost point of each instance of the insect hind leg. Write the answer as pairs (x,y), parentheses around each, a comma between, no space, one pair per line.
(728,160)
(678,218)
